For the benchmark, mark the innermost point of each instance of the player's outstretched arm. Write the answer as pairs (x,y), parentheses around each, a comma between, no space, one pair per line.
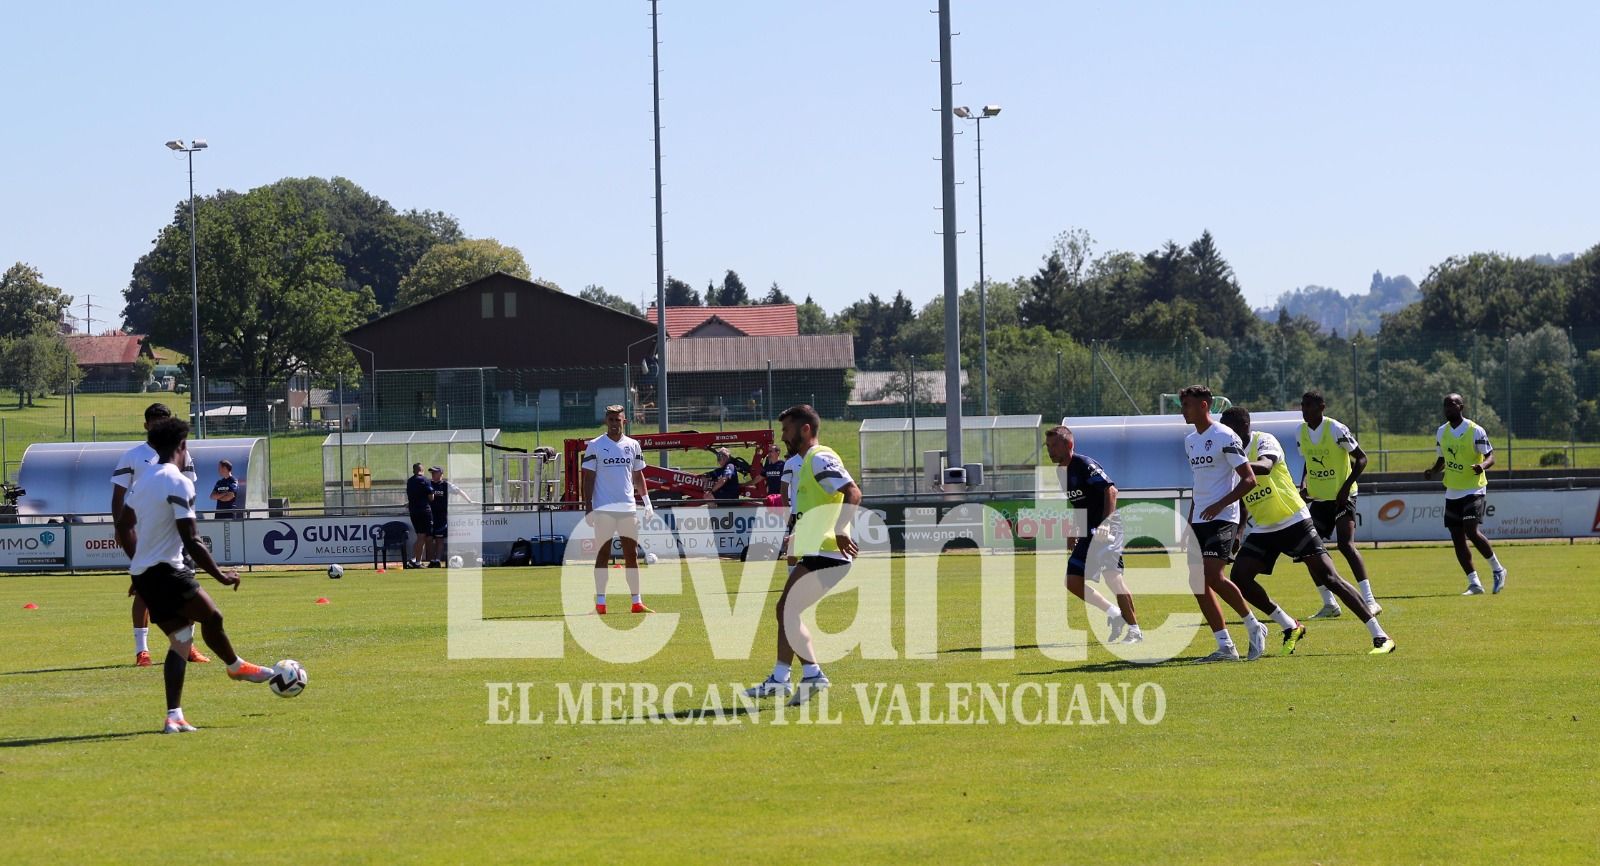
(202,555)
(126,537)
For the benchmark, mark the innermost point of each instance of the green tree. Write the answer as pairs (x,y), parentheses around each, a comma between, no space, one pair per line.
(36,363)
(271,296)
(732,292)
(599,295)
(28,304)
(377,245)
(775,295)
(1543,395)
(681,294)
(450,266)
(1048,298)
(813,319)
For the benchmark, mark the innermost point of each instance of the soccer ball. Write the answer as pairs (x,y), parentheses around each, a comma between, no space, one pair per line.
(649,558)
(455,562)
(290,679)
(335,571)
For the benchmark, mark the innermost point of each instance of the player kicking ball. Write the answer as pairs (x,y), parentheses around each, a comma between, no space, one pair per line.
(132,462)
(613,477)
(1087,486)
(161,507)
(1461,439)
(1280,523)
(825,501)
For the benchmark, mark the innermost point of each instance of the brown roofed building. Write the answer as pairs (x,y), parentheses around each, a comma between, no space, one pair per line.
(760,320)
(110,357)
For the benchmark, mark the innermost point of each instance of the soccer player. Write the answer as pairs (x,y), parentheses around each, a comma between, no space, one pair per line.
(439,504)
(226,493)
(1222,477)
(613,478)
(1280,522)
(1087,486)
(824,490)
(129,466)
(1333,462)
(160,506)
(419,505)
(1460,439)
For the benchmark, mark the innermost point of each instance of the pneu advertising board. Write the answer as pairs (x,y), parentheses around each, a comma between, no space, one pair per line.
(1509,514)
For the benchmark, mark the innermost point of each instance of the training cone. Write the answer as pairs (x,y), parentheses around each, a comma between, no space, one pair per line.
(382,570)
(322,600)
(30,606)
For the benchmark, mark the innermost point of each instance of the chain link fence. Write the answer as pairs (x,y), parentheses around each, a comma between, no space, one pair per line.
(1537,394)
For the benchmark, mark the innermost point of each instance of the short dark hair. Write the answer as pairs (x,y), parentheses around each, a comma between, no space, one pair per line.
(155,412)
(1313,396)
(226,464)
(1197,392)
(415,468)
(803,414)
(166,435)
(1236,415)
(1060,430)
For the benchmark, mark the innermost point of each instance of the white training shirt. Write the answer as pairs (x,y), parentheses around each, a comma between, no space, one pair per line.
(1214,458)
(137,460)
(1268,448)
(1480,441)
(162,497)
(613,463)
(829,471)
(789,488)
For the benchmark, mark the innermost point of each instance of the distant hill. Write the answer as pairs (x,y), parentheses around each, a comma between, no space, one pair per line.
(1347,314)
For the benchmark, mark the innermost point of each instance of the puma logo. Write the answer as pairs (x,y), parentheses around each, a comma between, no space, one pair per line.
(1318,461)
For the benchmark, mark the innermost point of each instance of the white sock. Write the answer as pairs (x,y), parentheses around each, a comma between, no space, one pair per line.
(1224,640)
(1472,579)
(1328,598)
(1494,563)
(1250,620)
(1283,619)
(1366,593)
(638,599)
(141,640)
(809,670)
(600,598)
(175,713)
(780,672)
(1377,630)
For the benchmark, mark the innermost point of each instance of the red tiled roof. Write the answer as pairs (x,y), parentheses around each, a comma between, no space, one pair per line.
(761,320)
(106,349)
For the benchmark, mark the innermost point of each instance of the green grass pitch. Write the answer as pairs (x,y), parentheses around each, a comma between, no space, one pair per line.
(1475,743)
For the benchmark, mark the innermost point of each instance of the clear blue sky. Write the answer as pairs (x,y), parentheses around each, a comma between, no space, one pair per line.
(1318,143)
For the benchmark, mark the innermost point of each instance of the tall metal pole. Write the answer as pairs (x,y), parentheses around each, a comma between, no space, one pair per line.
(952,296)
(197,399)
(983,283)
(661,266)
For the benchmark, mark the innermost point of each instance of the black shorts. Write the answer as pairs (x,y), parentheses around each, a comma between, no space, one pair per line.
(165,590)
(421,523)
(1089,563)
(441,528)
(1467,509)
(1326,515)
(815,564)
(1216,538)
(1297,541)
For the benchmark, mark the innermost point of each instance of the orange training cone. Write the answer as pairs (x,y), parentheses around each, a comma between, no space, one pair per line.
(322,600)
(30,606)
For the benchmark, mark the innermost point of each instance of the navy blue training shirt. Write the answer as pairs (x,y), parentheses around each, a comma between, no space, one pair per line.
(1084,481)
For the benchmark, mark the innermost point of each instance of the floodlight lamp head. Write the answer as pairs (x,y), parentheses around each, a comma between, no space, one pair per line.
(988,111)
(175,144)
(963,112)
(200,143)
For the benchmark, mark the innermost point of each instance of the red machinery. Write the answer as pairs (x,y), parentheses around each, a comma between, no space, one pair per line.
(673,485)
